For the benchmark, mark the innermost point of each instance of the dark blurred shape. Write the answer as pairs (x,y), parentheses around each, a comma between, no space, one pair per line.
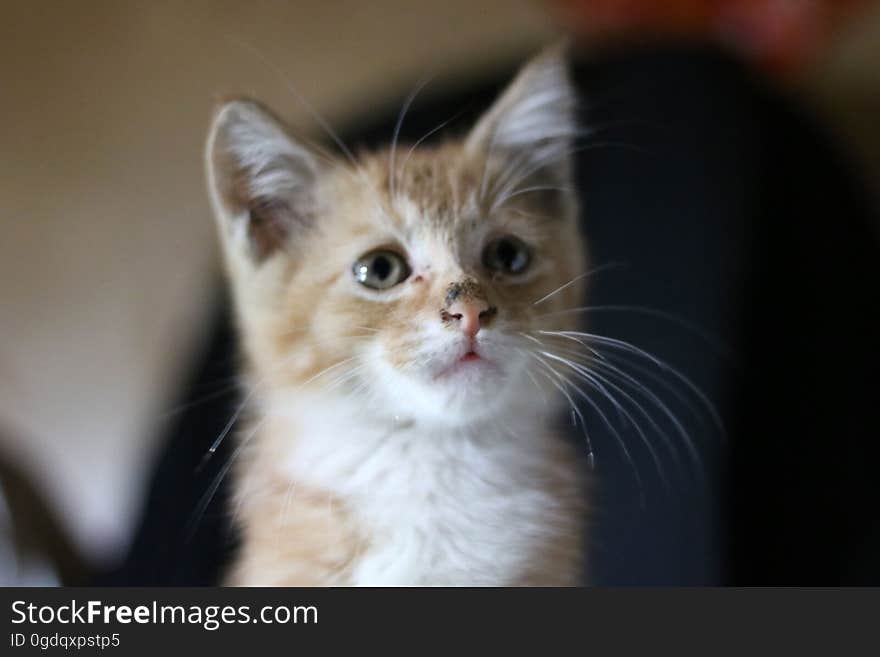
(185,535)
(805,494)
(36,531)
(733,211)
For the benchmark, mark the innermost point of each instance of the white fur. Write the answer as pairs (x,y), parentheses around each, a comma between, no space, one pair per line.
(468,506)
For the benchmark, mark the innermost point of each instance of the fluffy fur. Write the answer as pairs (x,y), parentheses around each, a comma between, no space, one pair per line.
(379,450)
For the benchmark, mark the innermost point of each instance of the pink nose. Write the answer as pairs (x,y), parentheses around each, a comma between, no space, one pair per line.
(471,315)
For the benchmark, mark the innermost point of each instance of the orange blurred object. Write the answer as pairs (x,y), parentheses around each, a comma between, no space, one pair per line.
(781,35)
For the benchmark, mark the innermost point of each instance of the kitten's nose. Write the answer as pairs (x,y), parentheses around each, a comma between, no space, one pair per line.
(470,313)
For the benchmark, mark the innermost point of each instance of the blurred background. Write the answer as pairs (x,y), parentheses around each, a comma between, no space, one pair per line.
(108,263)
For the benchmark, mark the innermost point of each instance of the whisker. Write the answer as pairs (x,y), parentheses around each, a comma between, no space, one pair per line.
(621,443)
(631,349)
(711,340)
(306,105)
(423,138)
(241,407)
(506,182)
(538,386)
(498,202)
(209,494)
(313,114)
(575,411)
(346,376)
(285,508)
(208,396)
(626,379)
(679,396)
(392,171)
(653,453)
(225,432)
(595,270)
(673,451)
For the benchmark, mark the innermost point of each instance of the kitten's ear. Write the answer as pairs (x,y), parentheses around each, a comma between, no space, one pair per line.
(532,125)
(262,182)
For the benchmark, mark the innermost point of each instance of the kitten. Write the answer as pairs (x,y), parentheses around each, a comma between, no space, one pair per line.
(389,312)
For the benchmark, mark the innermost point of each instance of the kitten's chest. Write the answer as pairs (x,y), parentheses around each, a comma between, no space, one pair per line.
(435,508)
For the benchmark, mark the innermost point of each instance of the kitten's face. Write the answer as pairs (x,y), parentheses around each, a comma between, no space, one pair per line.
(409,284)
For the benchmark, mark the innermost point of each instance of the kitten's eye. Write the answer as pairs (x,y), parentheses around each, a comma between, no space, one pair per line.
(381,269)
(507,254)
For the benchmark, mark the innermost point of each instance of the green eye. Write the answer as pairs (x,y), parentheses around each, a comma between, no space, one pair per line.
(380,269)
(507,254)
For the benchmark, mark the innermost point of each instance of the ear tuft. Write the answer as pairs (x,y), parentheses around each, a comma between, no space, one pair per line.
(261,180)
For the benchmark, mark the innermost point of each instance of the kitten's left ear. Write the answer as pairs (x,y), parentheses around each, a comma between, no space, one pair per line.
(532,125)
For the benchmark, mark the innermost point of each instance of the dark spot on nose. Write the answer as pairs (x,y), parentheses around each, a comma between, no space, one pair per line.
(452,293)
(465,288)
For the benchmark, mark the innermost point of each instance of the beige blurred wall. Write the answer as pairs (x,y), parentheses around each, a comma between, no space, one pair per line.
(107,247)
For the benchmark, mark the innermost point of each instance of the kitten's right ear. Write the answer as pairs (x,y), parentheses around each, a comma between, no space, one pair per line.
(261,181)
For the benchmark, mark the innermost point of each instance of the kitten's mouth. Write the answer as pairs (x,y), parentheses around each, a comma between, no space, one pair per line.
(469,361)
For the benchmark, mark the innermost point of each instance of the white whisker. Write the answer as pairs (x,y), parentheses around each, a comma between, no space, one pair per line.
(595,270)
(654,456)
(392,171)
